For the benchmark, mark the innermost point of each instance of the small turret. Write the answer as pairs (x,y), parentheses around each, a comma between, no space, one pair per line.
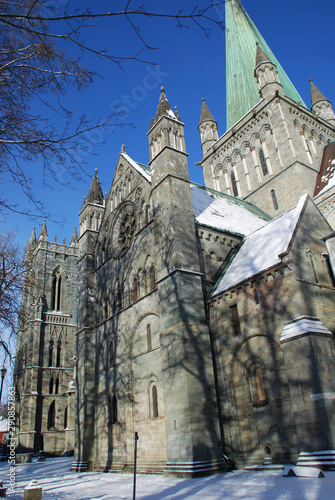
(320,105)
(166,129)
(266,75)
(95,193)
(32,239)
(74,238)
(93,207)
(44,233)
(207,127)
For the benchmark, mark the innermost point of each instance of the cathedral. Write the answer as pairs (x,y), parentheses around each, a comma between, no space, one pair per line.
(199,317)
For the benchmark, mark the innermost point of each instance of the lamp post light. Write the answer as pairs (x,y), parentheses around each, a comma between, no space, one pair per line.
(3,372)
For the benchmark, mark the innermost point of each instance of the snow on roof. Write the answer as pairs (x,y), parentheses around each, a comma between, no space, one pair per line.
(224,212)
(145,172)
(304,325)
(171,114)
(262,249)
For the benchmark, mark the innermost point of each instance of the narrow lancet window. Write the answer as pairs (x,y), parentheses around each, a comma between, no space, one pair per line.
(154,402)
(262,161)
(149,337)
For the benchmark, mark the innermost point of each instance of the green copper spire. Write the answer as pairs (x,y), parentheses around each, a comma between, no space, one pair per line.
(242,88)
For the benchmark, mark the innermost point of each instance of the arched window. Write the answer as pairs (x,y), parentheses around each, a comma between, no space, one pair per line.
(260,385)
(51,346)
(256,296)
(263,162)
(57,385)
(274,199)
(235,320)
(177,140)
(233,184)
(149,337)
(51,385)
(51,416)
(56,291)
(58,356)
(135,289)
(65,417)
(152,277)
(256,371)
(170,137)
(154,402)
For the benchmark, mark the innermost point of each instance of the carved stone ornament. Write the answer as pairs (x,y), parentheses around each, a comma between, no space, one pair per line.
(120,170)
(123,230)
(138,193)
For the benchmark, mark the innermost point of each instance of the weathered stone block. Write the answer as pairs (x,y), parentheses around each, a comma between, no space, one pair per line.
(33,491)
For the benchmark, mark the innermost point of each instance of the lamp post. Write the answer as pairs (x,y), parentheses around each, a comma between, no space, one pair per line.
(3,372)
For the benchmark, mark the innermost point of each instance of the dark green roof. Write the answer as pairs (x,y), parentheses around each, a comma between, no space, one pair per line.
(242,88)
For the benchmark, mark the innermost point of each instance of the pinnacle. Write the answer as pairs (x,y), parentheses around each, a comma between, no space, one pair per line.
(260,55)
(316,95)
(205,114)
(44,231)
(95,193)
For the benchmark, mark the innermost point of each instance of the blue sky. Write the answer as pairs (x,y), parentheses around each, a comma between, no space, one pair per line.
(300,33)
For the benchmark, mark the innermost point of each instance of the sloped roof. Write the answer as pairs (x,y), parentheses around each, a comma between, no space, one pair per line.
(262,249)
(303,325)
(241,86)
(142,169)
(224,212)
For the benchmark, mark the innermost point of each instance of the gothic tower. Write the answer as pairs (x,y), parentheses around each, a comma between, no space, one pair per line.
(272,149)
(90,218)
(44,372)
(192,431)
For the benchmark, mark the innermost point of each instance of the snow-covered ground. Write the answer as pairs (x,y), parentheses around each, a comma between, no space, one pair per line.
(59,483)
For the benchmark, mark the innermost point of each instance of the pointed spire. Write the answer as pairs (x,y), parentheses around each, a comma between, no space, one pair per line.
(207,127)
(163,106)
(242,87)
(44,232)
(32,239)
(74,238)
(205,115)
(316,95)
(163,109)
(321,106)
(260,55)
(95,193)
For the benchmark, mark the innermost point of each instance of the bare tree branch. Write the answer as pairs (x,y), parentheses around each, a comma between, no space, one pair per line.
(35,68)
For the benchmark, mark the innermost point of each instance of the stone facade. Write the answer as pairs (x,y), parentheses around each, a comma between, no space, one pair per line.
(44,374)
(203,324)
(271,156)
(267,383)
